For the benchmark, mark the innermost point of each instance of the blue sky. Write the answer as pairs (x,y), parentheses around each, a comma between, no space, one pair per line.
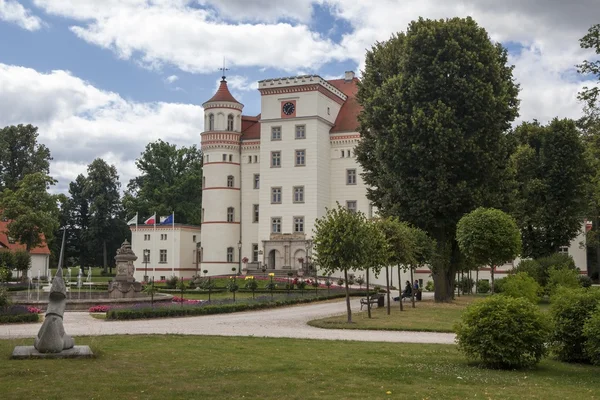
(104,78)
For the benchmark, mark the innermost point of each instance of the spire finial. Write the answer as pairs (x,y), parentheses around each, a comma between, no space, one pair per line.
(223,70)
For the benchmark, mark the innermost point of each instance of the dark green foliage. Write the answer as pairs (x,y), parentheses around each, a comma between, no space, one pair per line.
(591,332)
(585,281)
(503,332)
(170,181)
(483,286)
(7,259)
(521,285)
(499,285)
(591,96)
(539,269)
(19,318)
(465,285)
(22,261)
(172,282)
(570,310)
(20,155)
(562,278)
(552,175)
(4,298)
(437,101)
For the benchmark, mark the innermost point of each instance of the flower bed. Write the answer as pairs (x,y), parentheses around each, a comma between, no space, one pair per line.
(99,309)
(17,314)
(213,307)
(177,299)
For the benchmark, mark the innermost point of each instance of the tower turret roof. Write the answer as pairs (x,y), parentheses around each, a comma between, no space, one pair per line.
(223,93)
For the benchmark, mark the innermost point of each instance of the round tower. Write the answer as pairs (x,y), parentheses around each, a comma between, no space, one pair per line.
(221,183)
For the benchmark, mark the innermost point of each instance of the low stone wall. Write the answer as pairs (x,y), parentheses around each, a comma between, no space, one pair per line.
(84,303)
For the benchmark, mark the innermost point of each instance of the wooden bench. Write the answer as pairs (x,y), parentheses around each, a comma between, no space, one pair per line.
(371,299)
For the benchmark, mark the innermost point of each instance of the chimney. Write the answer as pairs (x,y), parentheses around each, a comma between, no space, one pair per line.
(349,76)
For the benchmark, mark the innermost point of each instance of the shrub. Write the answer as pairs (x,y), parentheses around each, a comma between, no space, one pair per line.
(562,277)
(521,285)
(17,314)
(340,282)
(591,332)
(585,281)
(533,269)
(483,286)
(4,299)
(499,285)
(570,310)
(503,332)
(171,282)
(466,285)
(429,286)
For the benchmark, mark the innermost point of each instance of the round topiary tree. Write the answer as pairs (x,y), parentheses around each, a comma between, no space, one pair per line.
(503,332)
(521,285)
(488,236)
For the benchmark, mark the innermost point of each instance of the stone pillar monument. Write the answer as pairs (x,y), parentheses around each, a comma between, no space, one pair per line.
(124,284)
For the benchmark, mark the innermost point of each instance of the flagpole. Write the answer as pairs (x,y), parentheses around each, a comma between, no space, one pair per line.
(173,246)
(156,256)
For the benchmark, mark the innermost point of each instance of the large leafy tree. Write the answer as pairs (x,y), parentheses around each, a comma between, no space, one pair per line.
(552,175)
(170,180)
(79,220)
(591,95)
(339,238)
(487,236)
(32,211)
(423,253)
(437,101)
(102,191)
(21,154)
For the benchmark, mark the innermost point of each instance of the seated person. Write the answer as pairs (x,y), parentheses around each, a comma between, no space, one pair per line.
(406,293)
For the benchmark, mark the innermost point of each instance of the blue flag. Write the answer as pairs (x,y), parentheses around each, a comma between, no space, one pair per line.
(169,220)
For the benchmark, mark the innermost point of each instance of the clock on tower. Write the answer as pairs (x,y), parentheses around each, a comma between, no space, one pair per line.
(288,108)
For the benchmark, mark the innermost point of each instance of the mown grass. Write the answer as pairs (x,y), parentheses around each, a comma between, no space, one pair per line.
(184,367)
(428,316)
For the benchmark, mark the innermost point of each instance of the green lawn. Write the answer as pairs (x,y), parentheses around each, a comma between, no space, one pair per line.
(189,367)
(427,316)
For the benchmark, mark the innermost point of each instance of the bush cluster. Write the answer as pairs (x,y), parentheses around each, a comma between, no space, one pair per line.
(591,332)
(483,286)
(18,314)
(465,285)
(499,285)
(571,309)
(503,332)
(521,285)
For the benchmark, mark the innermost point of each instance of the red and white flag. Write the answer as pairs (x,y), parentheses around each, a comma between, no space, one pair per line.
(151,220)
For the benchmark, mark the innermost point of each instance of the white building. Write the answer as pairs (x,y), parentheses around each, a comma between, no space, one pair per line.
(268,177)
(40,256)
(165,250)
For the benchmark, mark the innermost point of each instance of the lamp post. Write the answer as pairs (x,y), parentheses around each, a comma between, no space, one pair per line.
(146,256)
(240,257)
(198,247)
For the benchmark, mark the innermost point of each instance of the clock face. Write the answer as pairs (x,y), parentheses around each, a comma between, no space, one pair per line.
(288,108)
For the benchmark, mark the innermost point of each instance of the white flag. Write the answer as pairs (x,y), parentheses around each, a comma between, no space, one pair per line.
(133,221)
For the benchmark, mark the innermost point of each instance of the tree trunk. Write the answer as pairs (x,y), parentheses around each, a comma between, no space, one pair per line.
(348,309)
(368,296)
(387,282)
(443,282)
(412,291)
(492,279)
(104,257)
(476,280)
(400,289)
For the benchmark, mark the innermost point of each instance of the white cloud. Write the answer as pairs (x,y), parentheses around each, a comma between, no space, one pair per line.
(80,122)
(262,10)
(195,40)
(14,12)
(171,78)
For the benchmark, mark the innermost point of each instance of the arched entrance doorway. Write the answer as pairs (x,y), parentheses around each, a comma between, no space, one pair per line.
(273,259)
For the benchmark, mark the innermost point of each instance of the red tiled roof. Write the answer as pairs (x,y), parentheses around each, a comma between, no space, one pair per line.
(250,127)
(347,118)
(223,94)
(4,243)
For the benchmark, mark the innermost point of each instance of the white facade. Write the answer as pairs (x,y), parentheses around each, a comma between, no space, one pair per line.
(173,251)
(285,167)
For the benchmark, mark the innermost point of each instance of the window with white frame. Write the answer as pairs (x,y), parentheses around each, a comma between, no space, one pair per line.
(276,225)
(230,254)
(163,256)
(276,133)
(230,122)
(163,236)
(351,205)
(298,224)
(350,177)
(146,237)
(231,158)
(254,252)
(276,195)
(211,122)
(255,213)
(563,249)
(300,132)
(300,159)
(230,181)
(230,214)
(298,194)
(146,255)
(224,157)
(275,159)
(256,181)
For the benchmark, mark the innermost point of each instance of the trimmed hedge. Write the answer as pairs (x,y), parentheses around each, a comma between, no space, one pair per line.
(19,318)
(166,312)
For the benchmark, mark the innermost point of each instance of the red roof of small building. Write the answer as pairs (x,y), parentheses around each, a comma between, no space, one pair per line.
(4,242)
(250,127)
(223,93)
(347,118)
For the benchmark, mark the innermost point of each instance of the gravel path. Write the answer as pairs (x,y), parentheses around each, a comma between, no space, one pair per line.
(288,322)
